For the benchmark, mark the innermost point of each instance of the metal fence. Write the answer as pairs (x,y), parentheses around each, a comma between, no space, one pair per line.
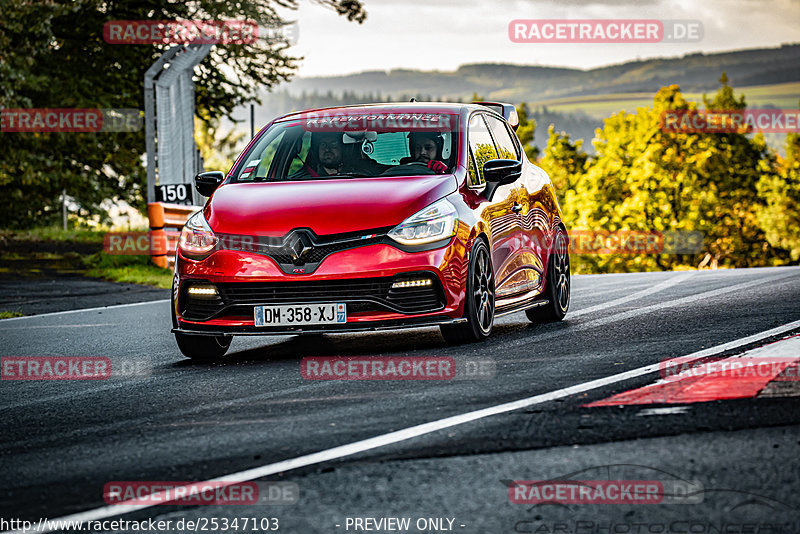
(172,155)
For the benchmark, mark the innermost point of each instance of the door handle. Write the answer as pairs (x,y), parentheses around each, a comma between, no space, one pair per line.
(517,208)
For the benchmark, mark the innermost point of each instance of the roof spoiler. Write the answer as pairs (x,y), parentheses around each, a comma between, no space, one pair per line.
(508,111)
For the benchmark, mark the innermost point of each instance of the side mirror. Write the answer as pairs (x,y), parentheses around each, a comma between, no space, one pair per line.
(207,182)
(499,172)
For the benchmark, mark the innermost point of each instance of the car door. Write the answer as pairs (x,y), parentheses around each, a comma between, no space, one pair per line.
(526,267)
(499,213)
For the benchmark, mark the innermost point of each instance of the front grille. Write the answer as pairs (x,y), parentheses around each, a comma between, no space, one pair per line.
(361,295)
(301,247)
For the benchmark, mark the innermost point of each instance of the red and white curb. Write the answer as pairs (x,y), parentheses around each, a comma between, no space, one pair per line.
(768,371)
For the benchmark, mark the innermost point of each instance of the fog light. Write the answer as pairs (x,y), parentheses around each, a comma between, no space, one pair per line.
(412,283)
(203,292)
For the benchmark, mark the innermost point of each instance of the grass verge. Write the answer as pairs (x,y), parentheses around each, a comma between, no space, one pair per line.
(55,233)
(127,269)
(55,251)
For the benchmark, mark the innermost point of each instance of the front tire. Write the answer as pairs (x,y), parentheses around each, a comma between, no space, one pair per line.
(558,283)
(203,348)
(479,300)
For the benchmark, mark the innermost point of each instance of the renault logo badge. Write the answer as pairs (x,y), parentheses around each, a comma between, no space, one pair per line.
(299,246)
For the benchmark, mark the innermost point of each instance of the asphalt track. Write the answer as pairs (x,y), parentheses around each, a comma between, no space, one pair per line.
(164,418)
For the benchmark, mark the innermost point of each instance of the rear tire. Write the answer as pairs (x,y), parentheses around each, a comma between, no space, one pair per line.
(557,291)
(478,300)
(203,348)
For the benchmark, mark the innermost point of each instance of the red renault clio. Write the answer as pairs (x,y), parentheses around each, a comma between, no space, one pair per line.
(372,217)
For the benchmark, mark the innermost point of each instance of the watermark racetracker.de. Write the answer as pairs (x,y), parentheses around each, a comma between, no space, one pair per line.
(635,242)
(208,493)
(139,243)
(70,120)
(676,369)
(396,368)
(384,122)
(148,32)
(604,31)
(581,241)
(731,121)
(71,368)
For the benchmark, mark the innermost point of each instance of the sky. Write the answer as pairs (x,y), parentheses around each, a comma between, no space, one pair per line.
(443,34)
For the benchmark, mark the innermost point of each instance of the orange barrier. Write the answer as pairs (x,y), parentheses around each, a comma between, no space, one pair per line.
(166,222)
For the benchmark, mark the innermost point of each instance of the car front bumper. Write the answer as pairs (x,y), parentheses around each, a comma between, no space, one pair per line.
(361,277)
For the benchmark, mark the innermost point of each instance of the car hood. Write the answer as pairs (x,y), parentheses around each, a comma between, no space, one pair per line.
(325,206)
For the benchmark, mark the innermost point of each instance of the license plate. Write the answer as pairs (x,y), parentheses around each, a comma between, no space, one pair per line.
(301,314)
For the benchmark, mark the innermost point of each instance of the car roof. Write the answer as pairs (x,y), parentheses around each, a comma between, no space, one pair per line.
(388,107)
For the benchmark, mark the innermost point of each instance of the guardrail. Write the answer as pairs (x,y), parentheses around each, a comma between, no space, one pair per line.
(166,223)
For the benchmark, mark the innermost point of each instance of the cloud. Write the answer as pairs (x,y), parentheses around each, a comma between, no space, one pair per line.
(441,35)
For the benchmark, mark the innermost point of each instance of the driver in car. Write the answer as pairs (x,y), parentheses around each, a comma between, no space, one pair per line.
(327,159)
(328,149)
(426,147)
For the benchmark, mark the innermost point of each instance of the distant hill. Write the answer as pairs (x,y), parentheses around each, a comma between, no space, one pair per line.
(574,101)
(516,83)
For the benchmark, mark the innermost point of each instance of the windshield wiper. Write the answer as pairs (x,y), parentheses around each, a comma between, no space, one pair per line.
(328,176)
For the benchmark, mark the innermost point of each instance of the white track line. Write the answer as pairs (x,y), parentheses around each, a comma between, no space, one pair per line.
(99,308)
(669,282)
(350,449)
(621,316)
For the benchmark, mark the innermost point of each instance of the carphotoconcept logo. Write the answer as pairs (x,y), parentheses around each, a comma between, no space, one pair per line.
(70,120)
(604,31)
(640,485)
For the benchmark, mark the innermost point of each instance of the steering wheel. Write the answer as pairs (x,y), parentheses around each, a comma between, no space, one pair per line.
(414,168)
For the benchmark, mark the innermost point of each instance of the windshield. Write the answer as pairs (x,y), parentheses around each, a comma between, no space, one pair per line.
(353,145)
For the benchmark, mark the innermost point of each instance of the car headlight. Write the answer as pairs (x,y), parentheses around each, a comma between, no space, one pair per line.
(433,223)
(197,238)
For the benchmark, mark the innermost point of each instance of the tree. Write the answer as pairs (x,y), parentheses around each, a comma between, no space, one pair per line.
(218,149)
(526,131)
(564,161)
(736,165)
(647,178)
(779,216)
(58,59)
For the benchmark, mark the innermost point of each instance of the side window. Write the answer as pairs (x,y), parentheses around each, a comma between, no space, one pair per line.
(258,167)
(473,172)
(505,145)
(481,145)
(302,155)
